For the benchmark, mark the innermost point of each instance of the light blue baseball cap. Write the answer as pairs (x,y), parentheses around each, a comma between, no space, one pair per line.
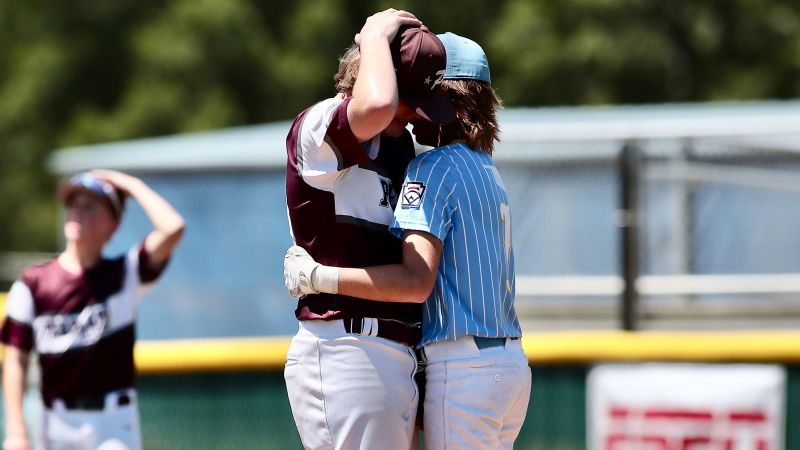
(465,59)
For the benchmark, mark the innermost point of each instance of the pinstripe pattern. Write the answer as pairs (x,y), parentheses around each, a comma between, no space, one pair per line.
(465,205)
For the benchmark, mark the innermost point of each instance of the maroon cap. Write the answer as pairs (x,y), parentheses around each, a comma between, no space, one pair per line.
(420,60)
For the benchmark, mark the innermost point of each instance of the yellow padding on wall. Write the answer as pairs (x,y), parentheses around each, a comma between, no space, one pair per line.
(211,355)
(728,346)
(3,304)
(578,347)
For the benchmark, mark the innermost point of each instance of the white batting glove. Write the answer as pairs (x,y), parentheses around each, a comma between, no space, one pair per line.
(302,275)
(298,266)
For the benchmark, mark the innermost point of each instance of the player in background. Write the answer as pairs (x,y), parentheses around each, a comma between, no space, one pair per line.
(78,313)
(350,367)
(454,217)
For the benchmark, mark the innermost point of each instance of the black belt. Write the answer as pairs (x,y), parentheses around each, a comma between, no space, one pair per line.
(90,402)
(394,330)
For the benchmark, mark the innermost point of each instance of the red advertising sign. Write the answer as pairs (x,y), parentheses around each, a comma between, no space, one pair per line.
(686,407)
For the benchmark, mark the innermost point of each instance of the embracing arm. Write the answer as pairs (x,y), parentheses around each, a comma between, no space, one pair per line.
(410,281)
(167,223)
(15,366)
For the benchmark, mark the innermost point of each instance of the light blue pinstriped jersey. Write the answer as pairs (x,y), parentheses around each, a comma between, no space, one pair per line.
(457,195)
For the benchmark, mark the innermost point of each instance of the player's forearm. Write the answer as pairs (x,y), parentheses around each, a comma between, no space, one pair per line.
(391,283)
(14,372)
(410,281)
(164,217)
(168,224)
(375,96)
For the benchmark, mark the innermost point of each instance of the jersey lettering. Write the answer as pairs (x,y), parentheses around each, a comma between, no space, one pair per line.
(59,332)
(388,193)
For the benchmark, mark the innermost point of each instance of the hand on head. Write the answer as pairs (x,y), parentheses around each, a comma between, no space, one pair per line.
(119,180)
(385,25)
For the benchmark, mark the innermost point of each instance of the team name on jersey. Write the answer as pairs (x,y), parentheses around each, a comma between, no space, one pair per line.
(58,333)
(389,199)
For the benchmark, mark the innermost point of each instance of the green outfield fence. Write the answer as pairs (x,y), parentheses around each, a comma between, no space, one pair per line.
(225,399)
(250,411)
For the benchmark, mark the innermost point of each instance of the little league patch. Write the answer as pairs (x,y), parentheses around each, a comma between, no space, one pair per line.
(413,191)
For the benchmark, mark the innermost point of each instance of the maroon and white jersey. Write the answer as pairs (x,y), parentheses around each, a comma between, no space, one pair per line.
(81,326)
(340,196)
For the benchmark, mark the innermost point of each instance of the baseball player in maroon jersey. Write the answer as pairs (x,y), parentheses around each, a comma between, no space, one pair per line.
(77,312)
(349,370)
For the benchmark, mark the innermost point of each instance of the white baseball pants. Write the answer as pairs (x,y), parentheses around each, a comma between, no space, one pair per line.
(116,427)
(350,391)
(475,398)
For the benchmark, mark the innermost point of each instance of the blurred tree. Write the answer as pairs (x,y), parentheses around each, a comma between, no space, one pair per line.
(84,71)
(636,51)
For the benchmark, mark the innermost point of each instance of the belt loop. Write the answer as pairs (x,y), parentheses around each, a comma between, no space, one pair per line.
(374,325)
(366,326)
(356,325)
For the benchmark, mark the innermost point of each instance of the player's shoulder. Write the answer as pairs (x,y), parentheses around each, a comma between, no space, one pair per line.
(318,110)
(437,159)
(329,103)
(443,152)
(323,109)
(314,121)
(35,272)
(41,266)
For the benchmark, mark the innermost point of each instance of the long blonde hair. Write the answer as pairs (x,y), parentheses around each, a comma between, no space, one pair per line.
(345,77)
(476,104)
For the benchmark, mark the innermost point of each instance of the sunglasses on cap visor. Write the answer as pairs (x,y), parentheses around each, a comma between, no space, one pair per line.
(100,187)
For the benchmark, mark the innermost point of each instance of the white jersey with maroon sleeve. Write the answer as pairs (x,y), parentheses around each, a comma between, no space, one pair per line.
(340,198)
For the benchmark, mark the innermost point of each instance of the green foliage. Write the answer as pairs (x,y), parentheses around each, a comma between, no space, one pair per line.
(85,71)
(615,51)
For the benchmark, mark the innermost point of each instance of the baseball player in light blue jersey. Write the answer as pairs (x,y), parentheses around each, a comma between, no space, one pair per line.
(454,219)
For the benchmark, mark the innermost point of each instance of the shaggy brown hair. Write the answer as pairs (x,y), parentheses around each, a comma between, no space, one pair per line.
(345,77)
(476,105)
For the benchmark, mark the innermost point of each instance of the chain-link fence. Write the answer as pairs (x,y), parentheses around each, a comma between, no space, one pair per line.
(671,217)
